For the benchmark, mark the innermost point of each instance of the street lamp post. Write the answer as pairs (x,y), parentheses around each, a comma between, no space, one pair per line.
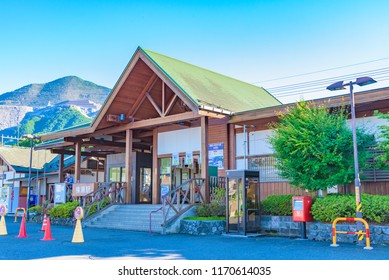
(362,81)
(32,138)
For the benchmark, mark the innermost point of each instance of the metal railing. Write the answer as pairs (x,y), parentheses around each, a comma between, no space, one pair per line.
(182,198)
(152,212)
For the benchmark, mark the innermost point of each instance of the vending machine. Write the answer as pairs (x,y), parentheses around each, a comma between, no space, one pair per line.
(9,192)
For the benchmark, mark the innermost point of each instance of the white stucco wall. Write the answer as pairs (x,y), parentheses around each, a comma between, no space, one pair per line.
(184,140)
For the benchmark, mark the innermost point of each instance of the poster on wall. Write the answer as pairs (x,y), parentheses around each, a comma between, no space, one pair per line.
(175,159)
(188,158)
(216,155)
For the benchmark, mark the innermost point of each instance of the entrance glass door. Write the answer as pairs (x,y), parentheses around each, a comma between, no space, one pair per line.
(252,205)
(235,206)
(145,185)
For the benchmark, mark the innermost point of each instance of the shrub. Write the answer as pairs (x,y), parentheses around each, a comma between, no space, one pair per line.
(327,209)
(63,210)
(37,210)
(217,207)
(93,206)
(277,205)
(375,208)
(210,209)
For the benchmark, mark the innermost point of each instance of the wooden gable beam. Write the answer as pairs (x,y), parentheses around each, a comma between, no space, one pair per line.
(171,104)
(155,105)
(142,96)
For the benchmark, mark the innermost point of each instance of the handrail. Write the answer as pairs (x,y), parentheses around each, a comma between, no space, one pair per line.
(360,232)
(182,198)
(109,193)
(154,211)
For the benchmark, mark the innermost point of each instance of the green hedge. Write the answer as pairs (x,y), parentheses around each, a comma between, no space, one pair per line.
(375,208)
(36,209)
(277,205)
(63,210)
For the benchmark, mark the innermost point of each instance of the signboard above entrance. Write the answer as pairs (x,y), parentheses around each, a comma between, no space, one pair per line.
(81,189)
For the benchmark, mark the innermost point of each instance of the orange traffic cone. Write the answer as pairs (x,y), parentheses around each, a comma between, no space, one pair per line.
(47,236)
(44,224)
(22,231)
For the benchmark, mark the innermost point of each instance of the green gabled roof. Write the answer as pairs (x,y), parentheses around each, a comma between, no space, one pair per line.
(205,87)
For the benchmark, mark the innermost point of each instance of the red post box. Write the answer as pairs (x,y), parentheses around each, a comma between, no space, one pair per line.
(301,208)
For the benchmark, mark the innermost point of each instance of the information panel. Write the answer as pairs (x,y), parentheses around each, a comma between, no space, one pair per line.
(59,193)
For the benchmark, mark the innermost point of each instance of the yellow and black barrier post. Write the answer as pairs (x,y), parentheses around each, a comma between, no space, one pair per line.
(360,233)
(16,213)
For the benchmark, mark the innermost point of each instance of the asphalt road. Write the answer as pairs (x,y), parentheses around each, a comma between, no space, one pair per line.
(115,244)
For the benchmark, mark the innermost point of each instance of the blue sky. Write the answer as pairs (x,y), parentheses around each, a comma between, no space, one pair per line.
(254,41)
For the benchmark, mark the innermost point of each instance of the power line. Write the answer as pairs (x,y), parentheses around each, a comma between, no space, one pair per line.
(311,88)
(375,72)
(320,71)
(380,74)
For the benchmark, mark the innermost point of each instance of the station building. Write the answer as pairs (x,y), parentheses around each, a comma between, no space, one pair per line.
(166,122)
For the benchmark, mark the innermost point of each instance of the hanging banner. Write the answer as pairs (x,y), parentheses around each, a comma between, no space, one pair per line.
(216,155)
(175,159)
(188,158)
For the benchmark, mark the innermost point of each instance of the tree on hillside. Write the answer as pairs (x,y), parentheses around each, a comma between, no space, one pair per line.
(61,118)
(314,148)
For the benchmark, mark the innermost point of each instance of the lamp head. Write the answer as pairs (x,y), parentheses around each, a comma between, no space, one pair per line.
(336,86)
(363,81)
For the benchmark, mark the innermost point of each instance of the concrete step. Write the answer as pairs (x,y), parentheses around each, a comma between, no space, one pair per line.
(129,217)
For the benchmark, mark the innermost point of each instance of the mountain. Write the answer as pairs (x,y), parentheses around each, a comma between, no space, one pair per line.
(48,119)
(12,115)
(68,88)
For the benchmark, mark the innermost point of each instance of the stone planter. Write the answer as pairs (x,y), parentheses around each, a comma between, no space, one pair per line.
(202,227)
(284,226)
(53,221)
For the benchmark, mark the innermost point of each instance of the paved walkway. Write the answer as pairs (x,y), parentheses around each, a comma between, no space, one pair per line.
(103,243)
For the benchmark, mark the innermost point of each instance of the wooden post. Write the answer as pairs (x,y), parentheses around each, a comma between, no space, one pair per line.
(97,169)
(231,147)
(60,168)
(77,164)
(155,183)
(204,156)
(128,197)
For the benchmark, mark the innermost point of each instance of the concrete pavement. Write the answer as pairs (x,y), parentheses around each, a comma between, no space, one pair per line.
(116,244)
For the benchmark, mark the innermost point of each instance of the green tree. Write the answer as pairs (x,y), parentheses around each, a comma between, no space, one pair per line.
(382,158)
(24,142)
(314,148)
